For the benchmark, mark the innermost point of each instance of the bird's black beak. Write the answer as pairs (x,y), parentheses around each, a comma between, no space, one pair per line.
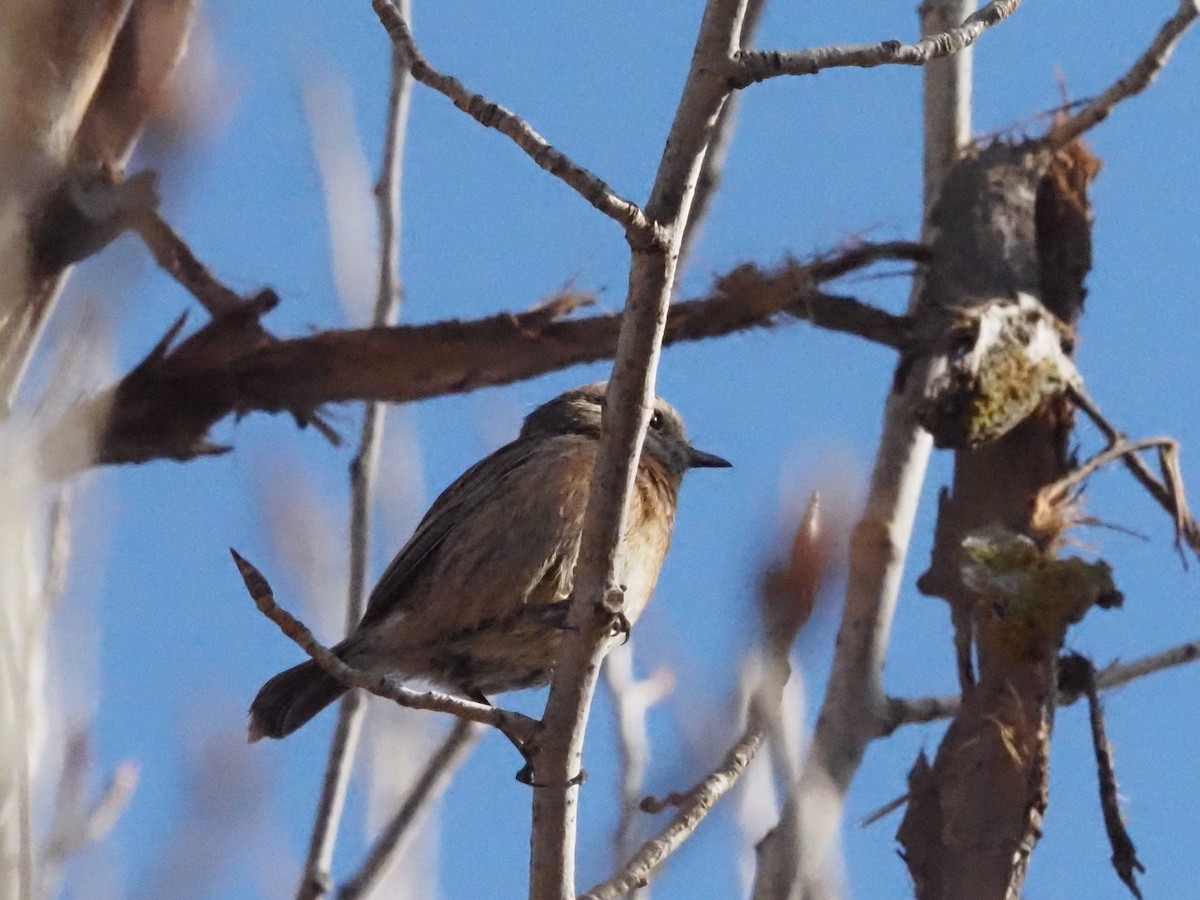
(698,459)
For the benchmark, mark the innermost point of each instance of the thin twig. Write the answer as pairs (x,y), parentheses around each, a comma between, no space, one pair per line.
(759,65)
(517,727)
(922,710)
(699,801)
(1168,492)
(1133,82)
(1124,855)
(492,115)
(786,610)
(316,881)
(887,809)
(709,180)
(1058,491)
(429,786)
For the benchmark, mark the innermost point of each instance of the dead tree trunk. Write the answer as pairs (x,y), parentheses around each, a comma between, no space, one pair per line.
(1012,228)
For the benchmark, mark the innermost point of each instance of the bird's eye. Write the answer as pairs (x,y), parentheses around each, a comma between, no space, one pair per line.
(656,420)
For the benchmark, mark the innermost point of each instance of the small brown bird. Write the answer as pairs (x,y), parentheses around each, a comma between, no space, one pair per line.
(477,599)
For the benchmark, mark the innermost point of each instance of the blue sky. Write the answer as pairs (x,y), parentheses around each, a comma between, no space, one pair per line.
(169,650)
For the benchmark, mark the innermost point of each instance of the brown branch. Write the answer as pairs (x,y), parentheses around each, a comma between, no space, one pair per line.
(177,259)
(1133,82)
(165,407)
(1059,491)
(518,728)
(492,115)
(759,65)
(1168,492)
(1079,669)
(429,786)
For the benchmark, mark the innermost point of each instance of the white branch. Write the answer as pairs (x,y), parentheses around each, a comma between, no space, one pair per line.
(596,598)
(758,65)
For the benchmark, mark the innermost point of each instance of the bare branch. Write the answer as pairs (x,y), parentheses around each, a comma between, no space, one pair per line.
(1116,673)
(786,609)
(166,406)
(922,710)
(759,65)
(430,785)
(597,595)
(1061,489)
(792,855)
(491,115)
(1079,671)
(1133,82)
(1168,492)
(351,709)
(694,806)
(709,180)
(518,728)
(177,259)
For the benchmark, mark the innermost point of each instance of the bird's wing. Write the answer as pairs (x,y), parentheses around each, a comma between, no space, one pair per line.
(448,510)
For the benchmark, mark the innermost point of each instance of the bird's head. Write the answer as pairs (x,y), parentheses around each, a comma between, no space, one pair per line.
(579,411)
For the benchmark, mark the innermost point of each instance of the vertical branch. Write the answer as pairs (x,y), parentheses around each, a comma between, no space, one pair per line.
(718,150)
(854,707)
(631,698)
(316,881)
(597,600)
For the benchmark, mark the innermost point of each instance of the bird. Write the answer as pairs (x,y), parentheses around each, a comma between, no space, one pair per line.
(476,601)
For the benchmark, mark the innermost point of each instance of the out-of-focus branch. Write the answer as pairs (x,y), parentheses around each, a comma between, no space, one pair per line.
(1133,82)
(792,855)
(758,65)
(75,826)
(316,881)
(165,407)
(787,604)
(518,728)
(491,115)
(631,700)
(430,785)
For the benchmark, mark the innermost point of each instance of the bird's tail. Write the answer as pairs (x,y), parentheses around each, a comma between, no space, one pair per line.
(290,699)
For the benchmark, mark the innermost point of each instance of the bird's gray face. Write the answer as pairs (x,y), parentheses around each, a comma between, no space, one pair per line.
(579,411)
